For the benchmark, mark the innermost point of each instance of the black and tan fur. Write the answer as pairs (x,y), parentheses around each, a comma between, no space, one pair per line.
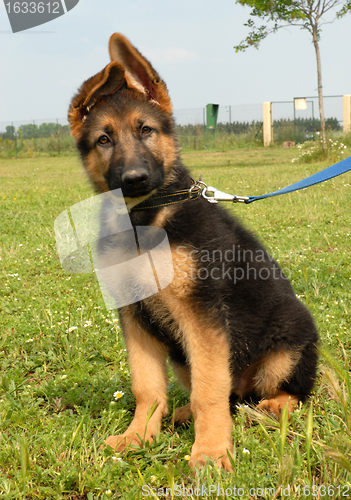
(252,337)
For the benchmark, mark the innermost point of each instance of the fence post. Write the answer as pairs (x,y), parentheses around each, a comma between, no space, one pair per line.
(346,101)
(267,124)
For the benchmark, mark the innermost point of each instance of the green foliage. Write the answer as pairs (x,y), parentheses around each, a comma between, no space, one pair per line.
(227,136)
(302,13)
(243,134)
(347,139)
(302,129)
(33,131)
(276,12)
(53,145)
(31,140)
(10,132)
(311,152)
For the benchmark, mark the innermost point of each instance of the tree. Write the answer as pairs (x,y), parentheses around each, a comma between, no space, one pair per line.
(49,129)
(10,132)
(29,131)
(307,14)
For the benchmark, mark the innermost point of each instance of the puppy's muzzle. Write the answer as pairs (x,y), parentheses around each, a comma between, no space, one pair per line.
(135,178)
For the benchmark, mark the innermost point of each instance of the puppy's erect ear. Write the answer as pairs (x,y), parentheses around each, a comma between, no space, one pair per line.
(139,72)
(108,81)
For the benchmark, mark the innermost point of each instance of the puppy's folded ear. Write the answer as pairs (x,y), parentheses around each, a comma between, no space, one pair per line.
(108,81)
(138,71)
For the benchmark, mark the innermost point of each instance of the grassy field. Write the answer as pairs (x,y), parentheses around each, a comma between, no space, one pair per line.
(62,355)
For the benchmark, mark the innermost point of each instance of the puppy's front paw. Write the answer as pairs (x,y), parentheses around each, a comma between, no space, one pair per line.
(199,458)
(122,442)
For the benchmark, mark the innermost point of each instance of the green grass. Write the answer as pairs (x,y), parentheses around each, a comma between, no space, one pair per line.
(57,383)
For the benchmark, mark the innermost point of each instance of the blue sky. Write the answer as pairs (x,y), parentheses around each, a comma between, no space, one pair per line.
(189,42)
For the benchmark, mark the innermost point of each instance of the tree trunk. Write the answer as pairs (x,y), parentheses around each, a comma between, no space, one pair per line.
(320,87)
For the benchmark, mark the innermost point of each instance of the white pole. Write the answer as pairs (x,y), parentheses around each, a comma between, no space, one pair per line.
(346,114)
(267,124)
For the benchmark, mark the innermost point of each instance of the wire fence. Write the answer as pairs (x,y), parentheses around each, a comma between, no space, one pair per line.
(234,113)
(245,113)
(236,123)
(299,125)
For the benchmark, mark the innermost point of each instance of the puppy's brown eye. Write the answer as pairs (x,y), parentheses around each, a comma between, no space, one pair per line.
(103,140)
(146,130)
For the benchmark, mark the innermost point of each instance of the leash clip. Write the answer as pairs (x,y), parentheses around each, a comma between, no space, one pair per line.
(196,189)
(221,196)
(240,199)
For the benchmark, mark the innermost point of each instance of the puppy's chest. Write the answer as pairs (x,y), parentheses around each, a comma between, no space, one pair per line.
(159,320)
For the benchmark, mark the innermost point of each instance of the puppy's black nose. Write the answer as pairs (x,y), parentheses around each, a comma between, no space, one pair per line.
(135,178)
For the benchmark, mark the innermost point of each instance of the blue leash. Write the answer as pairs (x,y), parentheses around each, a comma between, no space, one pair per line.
(328,173)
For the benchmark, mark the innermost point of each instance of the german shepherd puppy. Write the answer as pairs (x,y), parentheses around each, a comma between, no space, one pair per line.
(229,321)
